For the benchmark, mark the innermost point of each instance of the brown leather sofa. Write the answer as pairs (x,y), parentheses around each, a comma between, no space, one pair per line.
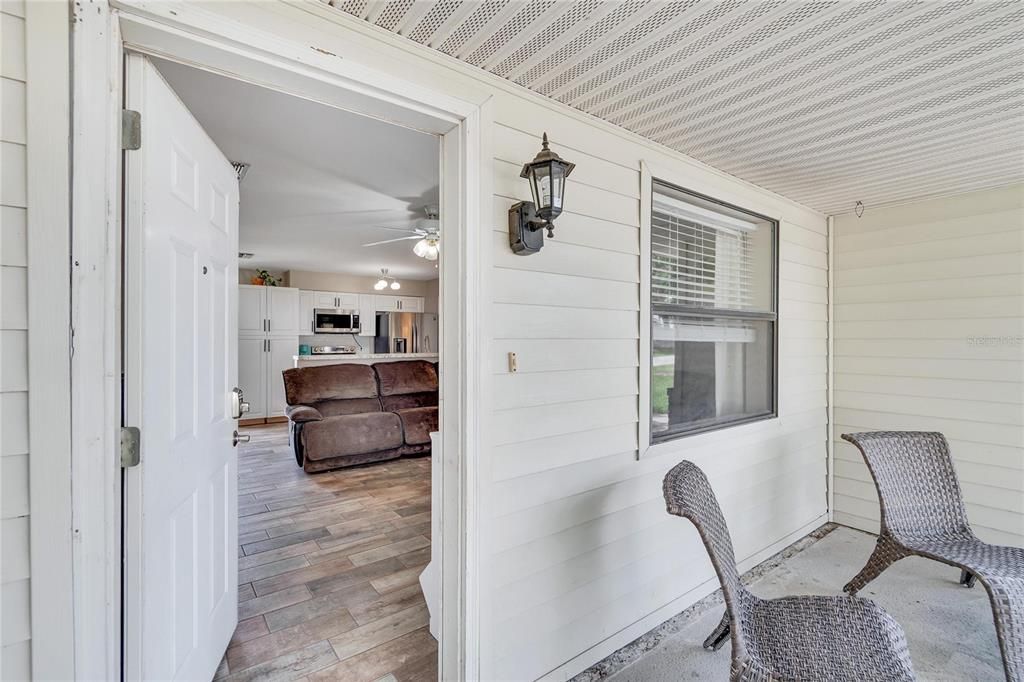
(348,414)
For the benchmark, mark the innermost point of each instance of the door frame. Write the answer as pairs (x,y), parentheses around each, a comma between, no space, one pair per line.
(207,40)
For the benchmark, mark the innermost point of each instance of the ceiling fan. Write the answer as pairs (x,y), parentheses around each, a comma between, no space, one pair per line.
(426,230)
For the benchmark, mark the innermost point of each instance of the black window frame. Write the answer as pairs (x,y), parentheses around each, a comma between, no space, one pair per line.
(695,428)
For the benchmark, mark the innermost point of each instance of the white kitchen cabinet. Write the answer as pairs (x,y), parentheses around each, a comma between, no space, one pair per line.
(367,315)
(400,304)
(385,304)
(261,359)
(283,310)
(270,310)
(252,374)
(280,356)
(307,304)
(252,309)
(269,324)
(335,299)
(324,299)
(410,304)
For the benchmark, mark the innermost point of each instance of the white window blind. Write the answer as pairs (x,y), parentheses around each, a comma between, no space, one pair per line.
(699,259)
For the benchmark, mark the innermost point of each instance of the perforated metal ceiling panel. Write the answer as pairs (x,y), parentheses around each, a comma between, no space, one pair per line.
(826,102)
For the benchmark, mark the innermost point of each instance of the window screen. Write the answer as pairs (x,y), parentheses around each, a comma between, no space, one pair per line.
(713,315)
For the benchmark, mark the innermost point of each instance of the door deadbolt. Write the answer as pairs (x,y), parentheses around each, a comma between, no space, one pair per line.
(238,404)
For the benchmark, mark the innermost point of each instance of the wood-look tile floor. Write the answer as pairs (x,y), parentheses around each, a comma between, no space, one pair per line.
(329,565)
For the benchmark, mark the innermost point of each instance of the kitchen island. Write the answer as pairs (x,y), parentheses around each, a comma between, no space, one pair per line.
(358,358)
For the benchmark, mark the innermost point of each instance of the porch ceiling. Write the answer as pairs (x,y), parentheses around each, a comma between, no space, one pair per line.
(825,102)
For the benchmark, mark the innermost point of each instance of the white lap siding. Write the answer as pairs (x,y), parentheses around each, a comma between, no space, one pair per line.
(577,555)
(582,556)
(930,336)
(14,500)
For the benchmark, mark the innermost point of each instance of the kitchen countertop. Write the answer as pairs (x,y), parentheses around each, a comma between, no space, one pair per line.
(335,357)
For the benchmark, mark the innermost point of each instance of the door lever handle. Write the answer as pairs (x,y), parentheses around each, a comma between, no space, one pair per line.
(240,438)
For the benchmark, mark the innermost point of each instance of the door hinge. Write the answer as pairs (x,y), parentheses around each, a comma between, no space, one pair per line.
(130,444)
(131,129)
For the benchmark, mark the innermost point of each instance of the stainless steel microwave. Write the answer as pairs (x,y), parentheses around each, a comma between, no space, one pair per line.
(335,321)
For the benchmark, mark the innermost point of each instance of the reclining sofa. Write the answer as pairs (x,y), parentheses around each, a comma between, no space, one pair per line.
(348,414)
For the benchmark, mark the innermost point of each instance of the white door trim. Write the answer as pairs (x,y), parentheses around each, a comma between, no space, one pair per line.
(202,38)
(48,219)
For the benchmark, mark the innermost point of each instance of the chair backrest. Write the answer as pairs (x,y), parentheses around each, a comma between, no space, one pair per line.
(917,485)
(688,494)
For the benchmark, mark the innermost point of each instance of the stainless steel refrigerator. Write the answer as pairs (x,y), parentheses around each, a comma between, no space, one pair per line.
(405,333)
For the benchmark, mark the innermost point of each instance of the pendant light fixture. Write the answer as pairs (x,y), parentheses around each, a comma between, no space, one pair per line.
(386,281)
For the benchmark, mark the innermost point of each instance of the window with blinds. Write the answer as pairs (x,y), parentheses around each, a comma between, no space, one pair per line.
(713,317)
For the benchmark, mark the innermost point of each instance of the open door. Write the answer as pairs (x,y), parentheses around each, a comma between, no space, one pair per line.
(181,365)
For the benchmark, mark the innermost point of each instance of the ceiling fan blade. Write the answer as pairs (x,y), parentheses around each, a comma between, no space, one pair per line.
(402,228)
(390,241)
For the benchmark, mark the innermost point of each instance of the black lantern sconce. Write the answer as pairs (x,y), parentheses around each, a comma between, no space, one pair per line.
(528,219)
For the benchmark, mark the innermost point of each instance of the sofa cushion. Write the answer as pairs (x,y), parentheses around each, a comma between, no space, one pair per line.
(308,385)
(418,422)
(392,403)
(352,434)
(406,376)
(337,408)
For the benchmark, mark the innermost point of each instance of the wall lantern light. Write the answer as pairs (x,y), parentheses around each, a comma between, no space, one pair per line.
(527,219)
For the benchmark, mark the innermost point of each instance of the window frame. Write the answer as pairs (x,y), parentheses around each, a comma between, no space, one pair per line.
(649,442)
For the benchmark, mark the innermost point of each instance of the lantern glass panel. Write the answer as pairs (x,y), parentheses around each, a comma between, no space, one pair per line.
(542,184)
(557,186)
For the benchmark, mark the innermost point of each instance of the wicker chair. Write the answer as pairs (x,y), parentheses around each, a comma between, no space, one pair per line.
(923,514)
(792,638)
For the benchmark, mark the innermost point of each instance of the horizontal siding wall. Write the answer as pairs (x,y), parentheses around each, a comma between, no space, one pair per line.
(583,557)
(578,556)
(929,307)
(15,656)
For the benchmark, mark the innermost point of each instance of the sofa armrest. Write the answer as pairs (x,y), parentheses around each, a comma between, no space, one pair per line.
(303,413)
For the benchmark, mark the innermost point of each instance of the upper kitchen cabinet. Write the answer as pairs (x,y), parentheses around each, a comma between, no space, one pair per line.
(367,315)
(252,309)
(283,306)
(268,310)
(404,304)
(410,304)
(334,299)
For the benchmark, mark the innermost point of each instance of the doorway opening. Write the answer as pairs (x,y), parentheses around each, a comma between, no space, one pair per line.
(284,259)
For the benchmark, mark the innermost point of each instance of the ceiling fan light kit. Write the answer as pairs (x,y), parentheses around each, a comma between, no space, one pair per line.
(527,219)
(428,248)
(427,232)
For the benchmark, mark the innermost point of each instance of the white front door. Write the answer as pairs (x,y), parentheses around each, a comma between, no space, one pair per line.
(180,524)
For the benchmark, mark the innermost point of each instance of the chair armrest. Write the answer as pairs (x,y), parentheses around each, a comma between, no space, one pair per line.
(303,413)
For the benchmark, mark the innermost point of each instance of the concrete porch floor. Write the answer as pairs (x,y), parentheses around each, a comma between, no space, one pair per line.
(949,628)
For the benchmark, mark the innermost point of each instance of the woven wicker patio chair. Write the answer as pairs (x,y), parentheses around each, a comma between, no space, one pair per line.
(793,638)
(923,514)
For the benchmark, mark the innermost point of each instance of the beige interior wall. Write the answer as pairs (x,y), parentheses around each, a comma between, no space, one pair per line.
(336,281)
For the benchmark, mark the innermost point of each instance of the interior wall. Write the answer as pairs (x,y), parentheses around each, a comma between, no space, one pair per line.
(15,634)
(335,281)
(245,276)
(929,307)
